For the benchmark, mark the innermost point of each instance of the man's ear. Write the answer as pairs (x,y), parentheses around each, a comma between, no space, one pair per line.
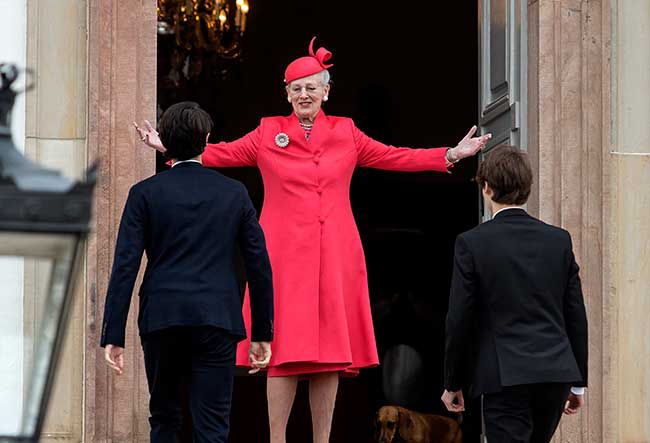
(206,138)
(487,190)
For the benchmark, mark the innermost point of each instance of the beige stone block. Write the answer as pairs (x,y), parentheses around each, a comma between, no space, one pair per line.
(67,156)
(633,76)
(56,51)
(30,148)
(633,290)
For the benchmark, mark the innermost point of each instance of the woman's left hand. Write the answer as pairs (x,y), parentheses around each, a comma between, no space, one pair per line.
(469,145)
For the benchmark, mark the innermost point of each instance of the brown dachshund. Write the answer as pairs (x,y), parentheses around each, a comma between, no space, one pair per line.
(400,425)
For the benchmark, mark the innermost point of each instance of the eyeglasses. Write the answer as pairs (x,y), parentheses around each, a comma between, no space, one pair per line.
(297,90)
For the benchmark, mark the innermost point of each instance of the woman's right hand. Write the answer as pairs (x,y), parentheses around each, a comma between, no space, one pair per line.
(149,136)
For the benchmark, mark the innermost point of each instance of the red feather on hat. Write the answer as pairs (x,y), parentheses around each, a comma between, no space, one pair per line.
(322,55)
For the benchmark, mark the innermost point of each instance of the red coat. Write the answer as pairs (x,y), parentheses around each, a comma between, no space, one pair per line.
(322,308)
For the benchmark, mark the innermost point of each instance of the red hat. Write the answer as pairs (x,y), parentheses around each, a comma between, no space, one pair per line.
(305,66)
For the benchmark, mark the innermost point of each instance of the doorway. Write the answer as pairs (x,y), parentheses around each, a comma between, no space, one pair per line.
(407,74)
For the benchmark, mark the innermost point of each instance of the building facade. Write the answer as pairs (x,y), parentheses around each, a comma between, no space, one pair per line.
(587,128)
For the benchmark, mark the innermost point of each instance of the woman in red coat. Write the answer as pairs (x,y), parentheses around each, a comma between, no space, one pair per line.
(323,326)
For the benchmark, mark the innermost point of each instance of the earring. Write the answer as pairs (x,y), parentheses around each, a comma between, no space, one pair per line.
(289,99)
(325,98)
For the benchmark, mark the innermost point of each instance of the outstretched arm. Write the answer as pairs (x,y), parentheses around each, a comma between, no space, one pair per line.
(373,154)
(241,152)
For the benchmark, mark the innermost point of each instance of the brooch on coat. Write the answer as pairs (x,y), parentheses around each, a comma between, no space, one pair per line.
(282,140)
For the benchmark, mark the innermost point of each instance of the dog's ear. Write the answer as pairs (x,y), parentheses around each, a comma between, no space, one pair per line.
(405,423)
(376,426)
(376,420)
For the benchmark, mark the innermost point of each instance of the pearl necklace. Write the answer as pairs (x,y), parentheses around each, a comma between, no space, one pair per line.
(307,127)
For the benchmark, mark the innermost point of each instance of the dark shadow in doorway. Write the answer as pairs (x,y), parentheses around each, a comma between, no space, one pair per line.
(407,74)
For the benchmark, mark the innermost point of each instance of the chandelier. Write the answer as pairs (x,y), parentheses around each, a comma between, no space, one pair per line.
(211,25)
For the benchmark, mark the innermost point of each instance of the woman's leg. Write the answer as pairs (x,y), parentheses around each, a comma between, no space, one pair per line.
(280,392)
(322,397)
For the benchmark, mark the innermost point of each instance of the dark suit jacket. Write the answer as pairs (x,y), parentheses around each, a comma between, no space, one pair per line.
(189,220)
(516,304)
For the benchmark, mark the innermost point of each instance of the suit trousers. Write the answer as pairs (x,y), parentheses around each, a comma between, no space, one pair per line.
(205,357)
(524,413)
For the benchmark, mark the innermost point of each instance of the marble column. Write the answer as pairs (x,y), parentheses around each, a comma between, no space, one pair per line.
(121,89)
(569,95)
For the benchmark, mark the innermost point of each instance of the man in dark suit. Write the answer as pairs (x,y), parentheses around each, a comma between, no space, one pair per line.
(516,304)
(189,221)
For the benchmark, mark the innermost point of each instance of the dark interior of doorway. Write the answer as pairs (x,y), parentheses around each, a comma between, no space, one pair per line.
(407,74)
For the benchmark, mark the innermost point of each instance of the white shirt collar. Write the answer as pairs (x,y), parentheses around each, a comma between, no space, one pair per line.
(186,161)
(506,208)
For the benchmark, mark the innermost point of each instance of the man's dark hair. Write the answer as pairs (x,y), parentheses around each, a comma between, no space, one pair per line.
(183,129)
(507,170)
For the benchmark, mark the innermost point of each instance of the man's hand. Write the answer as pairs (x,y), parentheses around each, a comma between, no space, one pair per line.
(114,356)
(259,355)
(574,403)
(454,401)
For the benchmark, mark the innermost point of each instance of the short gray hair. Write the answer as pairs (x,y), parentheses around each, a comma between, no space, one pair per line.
(326,77)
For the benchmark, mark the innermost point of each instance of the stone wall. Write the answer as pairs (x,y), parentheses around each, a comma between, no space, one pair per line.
(121,89)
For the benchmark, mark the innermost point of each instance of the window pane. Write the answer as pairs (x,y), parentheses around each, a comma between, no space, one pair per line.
(33,291)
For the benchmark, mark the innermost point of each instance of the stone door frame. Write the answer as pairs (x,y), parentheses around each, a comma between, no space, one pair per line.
(579,180)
